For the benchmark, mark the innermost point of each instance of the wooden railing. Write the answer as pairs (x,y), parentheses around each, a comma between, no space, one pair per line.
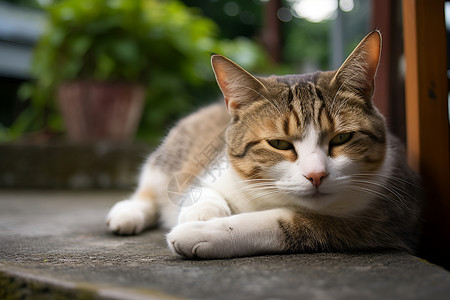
(427,123)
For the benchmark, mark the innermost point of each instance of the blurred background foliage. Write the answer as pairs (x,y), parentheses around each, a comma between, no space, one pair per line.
(164,45)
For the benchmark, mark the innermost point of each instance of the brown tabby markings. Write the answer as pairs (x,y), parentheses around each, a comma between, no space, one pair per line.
(286,112)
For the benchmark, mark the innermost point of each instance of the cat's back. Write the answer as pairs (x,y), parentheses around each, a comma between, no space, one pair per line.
(194,140)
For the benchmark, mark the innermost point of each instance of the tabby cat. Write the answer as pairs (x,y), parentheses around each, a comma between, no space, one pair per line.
(296,163)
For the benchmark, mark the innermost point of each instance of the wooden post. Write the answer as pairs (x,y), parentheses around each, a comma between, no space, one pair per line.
(381,19)
(389,95)
(271,31)
(427,117)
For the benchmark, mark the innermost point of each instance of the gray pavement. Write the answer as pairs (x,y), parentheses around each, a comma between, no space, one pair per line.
(53,245)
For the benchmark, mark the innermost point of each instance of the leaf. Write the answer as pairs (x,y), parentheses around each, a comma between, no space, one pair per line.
(126,50)
(56,37)
(105,67)
(79,45)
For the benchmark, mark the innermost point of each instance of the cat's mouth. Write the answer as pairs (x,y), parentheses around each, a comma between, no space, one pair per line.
(316,200)
(318,194)
(313,195)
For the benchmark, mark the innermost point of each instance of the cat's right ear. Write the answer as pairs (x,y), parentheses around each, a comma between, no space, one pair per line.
(238,86)
(358,71)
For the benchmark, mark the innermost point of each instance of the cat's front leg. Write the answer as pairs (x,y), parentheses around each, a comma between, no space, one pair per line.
(244,234)
(209,205)
(141,210)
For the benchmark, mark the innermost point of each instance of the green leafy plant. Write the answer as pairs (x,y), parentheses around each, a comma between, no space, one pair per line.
(162,45)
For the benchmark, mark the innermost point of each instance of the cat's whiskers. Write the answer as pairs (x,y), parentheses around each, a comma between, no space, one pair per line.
(398,201)
(258,188)
(390,177)
(382,183)
(394,191)
(361,216)
(256,179)
(254,188)
(253,182)
(258,194)
(254,185)
(398,204)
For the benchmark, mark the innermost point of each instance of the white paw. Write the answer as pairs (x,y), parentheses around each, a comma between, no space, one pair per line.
(203,212)
(129,217)
(197,239)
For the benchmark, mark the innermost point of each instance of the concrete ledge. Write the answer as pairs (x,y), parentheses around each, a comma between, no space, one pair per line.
(65,165)
(23,284)
(55,243)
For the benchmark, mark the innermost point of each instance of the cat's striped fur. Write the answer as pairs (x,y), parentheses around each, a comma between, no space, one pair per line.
(307,165)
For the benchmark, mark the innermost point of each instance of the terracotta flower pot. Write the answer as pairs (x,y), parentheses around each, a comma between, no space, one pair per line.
(101,111)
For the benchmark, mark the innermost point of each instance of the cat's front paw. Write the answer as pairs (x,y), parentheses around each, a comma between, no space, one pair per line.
(128,217)
(198,239)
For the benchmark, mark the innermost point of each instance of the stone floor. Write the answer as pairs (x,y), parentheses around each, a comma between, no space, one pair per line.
(53,245)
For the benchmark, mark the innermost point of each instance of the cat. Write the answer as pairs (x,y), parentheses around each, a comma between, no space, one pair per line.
(290,164)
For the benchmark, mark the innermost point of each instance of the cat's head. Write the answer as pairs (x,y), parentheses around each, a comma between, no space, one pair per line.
(315,138)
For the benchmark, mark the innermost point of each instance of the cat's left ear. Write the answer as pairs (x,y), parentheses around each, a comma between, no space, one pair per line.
(358,71)
(238,86)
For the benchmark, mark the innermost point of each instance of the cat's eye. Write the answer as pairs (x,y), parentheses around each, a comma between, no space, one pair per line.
(341,138)
(280,144)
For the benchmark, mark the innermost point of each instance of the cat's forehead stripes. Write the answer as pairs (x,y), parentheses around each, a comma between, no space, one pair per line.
(305,105)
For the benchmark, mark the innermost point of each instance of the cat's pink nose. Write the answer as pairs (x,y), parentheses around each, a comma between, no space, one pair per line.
(316,178)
